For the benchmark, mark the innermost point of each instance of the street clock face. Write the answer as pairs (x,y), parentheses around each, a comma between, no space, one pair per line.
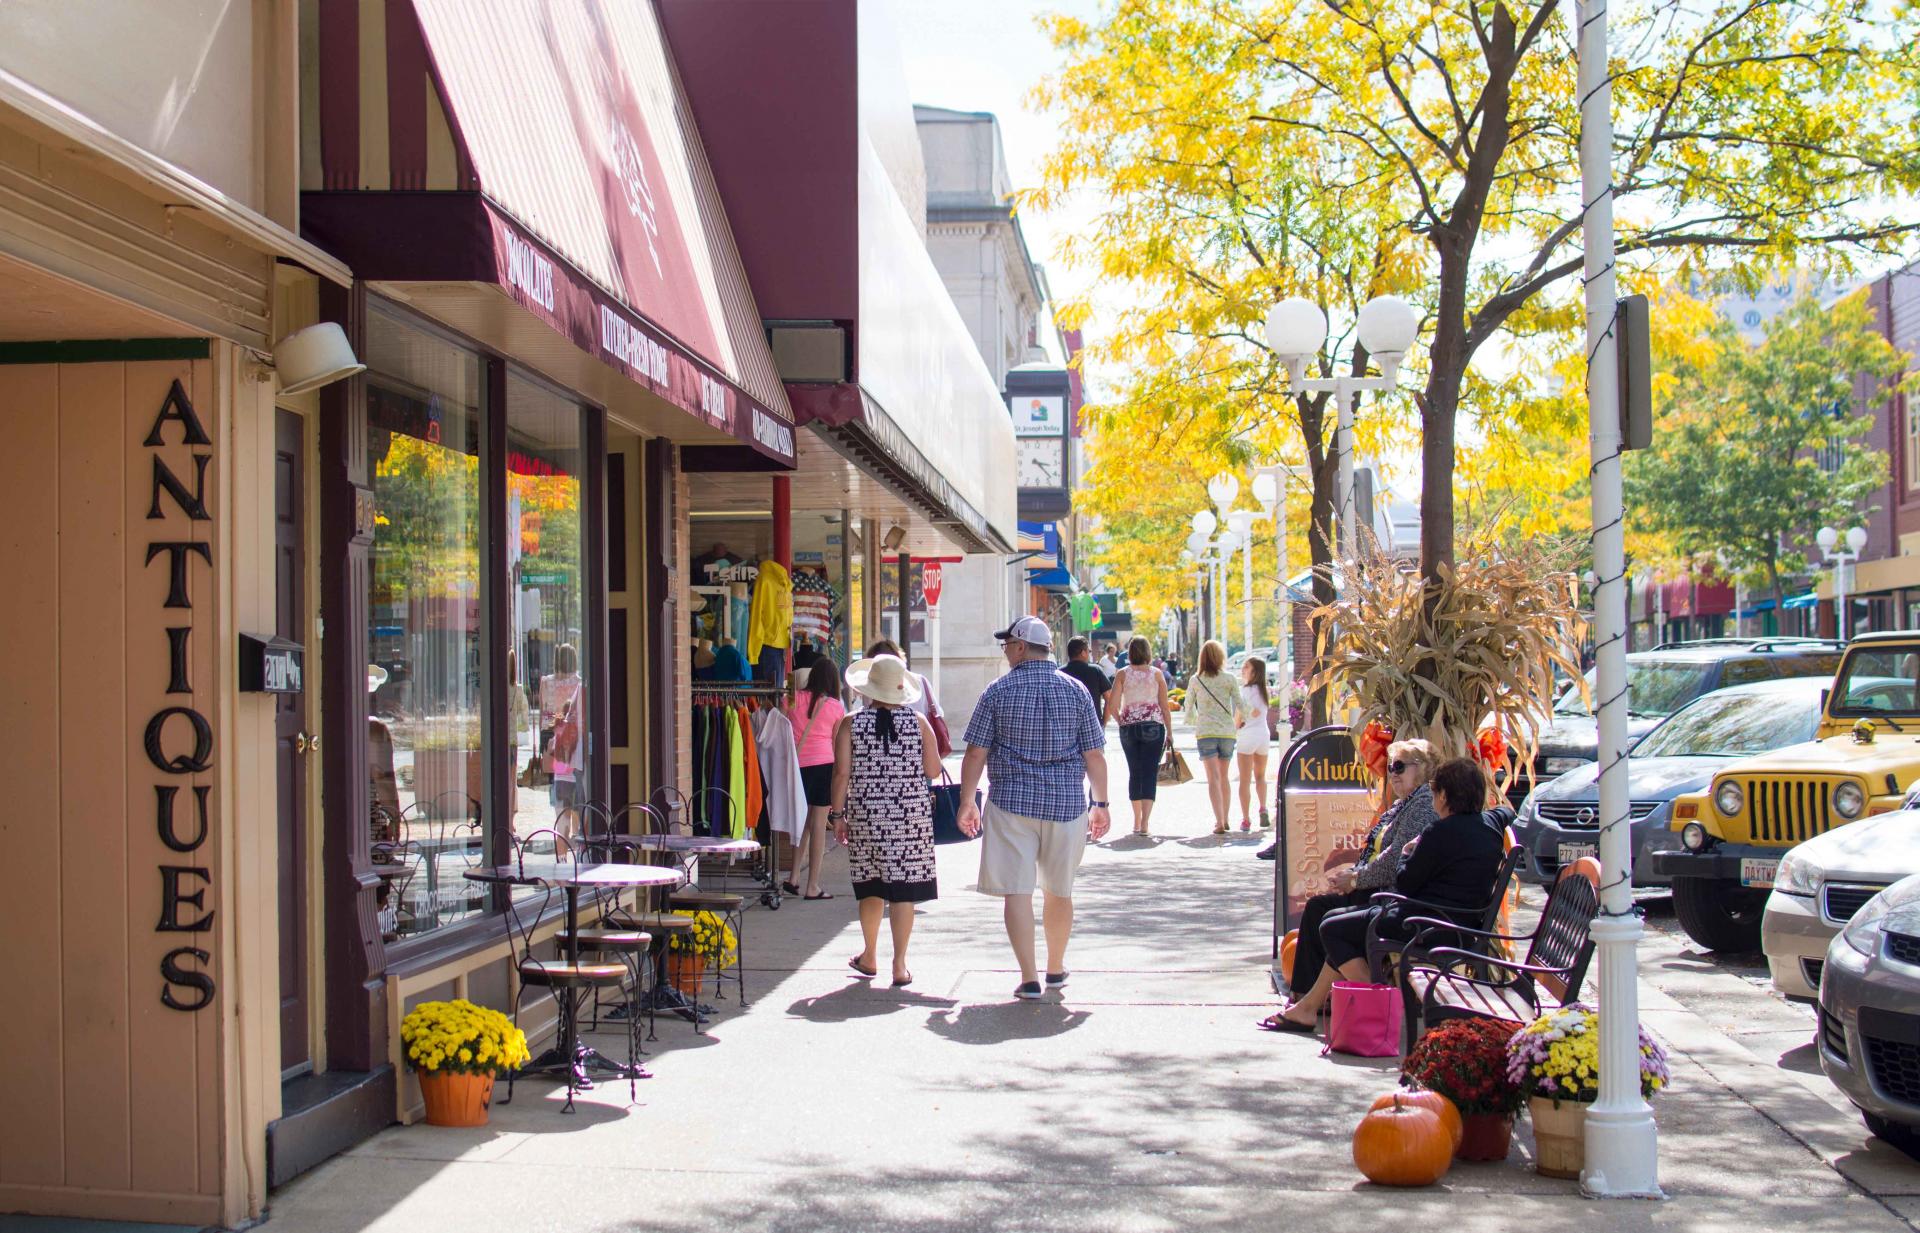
(1040,463)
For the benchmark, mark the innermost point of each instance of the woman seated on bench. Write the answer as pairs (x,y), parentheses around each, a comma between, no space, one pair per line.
(1450,868)
(1409,766)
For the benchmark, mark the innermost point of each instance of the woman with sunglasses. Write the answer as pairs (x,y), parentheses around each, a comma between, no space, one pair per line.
(1409,767)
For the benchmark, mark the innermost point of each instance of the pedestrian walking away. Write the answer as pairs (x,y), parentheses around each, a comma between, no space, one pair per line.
(1084,670)
(1138,703)
(815,713)
(1212,702)
(1253,740)
(1036,735)
(883,808)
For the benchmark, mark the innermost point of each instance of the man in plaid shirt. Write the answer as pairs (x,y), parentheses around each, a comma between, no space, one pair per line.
(1036,734)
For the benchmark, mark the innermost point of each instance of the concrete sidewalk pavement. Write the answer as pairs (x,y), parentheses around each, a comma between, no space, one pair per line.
(1142,1099)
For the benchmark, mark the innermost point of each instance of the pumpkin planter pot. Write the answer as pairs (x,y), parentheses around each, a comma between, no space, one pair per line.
(1402,1144)
(686,969)
(1485,1137)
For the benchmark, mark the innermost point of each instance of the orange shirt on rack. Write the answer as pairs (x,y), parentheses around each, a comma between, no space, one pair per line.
(756,794)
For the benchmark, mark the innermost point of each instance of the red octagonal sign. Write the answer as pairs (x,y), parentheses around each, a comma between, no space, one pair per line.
(930,583)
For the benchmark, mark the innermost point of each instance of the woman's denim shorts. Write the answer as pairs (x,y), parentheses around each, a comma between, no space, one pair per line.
(1216,747)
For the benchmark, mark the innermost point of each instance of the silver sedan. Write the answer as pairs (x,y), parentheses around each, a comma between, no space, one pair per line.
(1869,1036)
(1822,883)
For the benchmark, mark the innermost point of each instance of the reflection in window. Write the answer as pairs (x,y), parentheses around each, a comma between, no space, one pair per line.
(425,667)
(546,464)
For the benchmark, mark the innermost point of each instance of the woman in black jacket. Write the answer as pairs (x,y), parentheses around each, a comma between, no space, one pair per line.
(1450,868)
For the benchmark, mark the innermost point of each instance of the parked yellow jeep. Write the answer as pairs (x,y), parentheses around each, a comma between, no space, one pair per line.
(1864,760)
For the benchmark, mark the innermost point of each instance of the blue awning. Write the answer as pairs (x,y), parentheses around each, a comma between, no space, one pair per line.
(1803,601)
(1766,605)
(1055,578)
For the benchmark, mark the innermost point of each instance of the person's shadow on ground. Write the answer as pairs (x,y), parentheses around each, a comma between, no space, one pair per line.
(864,1000)
(996,1024)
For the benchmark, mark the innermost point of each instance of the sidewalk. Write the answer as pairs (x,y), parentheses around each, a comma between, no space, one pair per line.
(1142,1100)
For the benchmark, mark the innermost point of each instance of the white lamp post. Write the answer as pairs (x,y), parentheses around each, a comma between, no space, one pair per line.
(1841,558)
(1623,1147)
(1241,520)
(1386,328)
(1269,488)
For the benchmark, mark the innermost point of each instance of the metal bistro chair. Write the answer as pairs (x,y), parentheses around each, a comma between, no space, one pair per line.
(1383,952)
(660,926)
(729,907)
(607,936)
(566,977)
(1458,983)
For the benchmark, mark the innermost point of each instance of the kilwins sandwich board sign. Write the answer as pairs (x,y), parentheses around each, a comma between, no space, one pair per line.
(1326,807)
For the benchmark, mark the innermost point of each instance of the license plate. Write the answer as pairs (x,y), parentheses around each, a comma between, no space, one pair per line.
(1571,852)
(1755,871)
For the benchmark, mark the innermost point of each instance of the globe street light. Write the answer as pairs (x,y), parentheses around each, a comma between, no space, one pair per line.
(1222,489)
(1840,558)
(1386,327)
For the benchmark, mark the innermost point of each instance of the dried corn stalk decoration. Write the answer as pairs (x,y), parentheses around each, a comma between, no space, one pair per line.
(1478,652)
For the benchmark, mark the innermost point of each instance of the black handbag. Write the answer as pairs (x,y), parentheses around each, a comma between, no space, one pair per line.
(946,811)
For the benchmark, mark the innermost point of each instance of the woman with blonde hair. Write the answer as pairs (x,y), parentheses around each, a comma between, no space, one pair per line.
(1213,703)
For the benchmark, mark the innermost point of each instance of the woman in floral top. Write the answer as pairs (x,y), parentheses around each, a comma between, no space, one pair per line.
(1410,765)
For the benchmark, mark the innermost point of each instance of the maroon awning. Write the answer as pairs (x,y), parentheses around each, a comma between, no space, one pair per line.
(543,146)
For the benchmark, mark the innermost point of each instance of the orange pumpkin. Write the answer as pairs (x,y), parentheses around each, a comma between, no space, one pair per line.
(1442,1108)
(1288,945)
(1402,1144)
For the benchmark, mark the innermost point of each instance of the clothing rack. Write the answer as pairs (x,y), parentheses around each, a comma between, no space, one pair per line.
(752,693)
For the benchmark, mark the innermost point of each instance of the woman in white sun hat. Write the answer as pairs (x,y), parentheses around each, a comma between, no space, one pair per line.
(882,809)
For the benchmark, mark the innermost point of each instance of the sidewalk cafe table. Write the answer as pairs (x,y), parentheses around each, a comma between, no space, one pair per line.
(570,1052)
(665,996)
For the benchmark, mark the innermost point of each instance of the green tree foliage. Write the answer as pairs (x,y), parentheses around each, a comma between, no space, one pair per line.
(1756,447)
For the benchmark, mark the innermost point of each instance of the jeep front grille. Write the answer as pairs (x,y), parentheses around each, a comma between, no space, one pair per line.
(1787,811)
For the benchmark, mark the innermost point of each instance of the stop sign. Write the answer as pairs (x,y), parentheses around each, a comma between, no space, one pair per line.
(930,583)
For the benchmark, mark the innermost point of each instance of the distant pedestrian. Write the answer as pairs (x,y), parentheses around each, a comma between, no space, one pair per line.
(1210,706)
(1109,662)
(1253,740)
(1138,704)
(882,807)
(1083,670)
(1036,733)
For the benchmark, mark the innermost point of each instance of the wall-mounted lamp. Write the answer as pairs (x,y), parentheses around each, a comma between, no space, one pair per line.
(316,356)
(896,534)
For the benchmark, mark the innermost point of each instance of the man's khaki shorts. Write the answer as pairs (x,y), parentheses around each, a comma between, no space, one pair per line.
(1019,851)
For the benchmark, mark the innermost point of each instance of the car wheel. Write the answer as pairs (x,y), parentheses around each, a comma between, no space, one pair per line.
(1902,1136)
(1719,915)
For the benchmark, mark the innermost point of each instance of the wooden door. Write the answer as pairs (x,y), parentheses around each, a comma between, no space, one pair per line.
(292,741)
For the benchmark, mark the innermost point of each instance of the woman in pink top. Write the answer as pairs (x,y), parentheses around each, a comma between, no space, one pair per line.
(815,713)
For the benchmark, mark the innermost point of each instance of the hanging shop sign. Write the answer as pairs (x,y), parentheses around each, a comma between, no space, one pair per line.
(178,739)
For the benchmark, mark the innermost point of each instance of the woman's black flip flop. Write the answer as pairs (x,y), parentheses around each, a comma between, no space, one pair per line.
(854,963)
(1280,1023)
(821,895)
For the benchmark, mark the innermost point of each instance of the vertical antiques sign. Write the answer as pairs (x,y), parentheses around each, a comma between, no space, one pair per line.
(178,739)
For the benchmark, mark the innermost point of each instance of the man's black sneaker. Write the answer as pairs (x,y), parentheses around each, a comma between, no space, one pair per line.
(1030,992)
(1056,980)
(1269,852)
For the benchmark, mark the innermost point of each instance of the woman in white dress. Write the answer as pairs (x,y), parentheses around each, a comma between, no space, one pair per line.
(1252,741)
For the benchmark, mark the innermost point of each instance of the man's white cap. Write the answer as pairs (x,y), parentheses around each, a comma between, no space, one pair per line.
(1029,629)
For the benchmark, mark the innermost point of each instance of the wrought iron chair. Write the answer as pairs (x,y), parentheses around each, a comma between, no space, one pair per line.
(731,908)
(606,935)
(1384,952)
(634,822)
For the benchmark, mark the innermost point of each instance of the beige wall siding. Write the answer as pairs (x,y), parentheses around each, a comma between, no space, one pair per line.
(117,1104)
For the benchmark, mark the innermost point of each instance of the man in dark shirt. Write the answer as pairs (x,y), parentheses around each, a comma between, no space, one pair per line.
(1082,669)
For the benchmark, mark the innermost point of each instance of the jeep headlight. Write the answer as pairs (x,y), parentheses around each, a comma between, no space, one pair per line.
(1849,801)
(1728,799)
(1796,876)
(1693,837)
(1864,931)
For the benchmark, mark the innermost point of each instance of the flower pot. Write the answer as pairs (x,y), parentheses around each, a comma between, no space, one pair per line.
(686,969)
(1560,1135)
(1485,1136)
(456,1099)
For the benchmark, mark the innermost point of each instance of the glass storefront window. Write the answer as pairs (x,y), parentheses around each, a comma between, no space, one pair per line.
(426,667)
(546,470)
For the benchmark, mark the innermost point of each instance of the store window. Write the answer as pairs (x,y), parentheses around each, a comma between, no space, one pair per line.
(547,728)
(426,668)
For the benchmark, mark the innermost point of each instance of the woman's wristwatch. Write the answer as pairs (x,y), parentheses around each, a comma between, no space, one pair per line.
(1096,805)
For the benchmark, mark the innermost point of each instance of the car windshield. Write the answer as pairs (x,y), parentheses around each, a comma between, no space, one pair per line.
(1878,681)
(1733,725)
(1655,688)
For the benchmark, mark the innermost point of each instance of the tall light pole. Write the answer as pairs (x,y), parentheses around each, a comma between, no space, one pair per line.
(1623,1149)
(1841,558)
(1296,330)
(1221,490)
(1270,489)
(1241,520)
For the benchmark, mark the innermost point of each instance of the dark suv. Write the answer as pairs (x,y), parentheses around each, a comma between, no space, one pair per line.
(1660,682)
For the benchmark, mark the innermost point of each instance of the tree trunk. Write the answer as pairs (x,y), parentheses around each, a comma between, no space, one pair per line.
(1321,466)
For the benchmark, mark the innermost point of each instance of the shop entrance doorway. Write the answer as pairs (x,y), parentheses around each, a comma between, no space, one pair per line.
(292,741)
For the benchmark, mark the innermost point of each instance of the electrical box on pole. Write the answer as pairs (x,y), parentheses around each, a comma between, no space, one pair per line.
(1636,372)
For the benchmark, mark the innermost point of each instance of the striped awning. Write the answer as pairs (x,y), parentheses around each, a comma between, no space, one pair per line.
(545,146)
